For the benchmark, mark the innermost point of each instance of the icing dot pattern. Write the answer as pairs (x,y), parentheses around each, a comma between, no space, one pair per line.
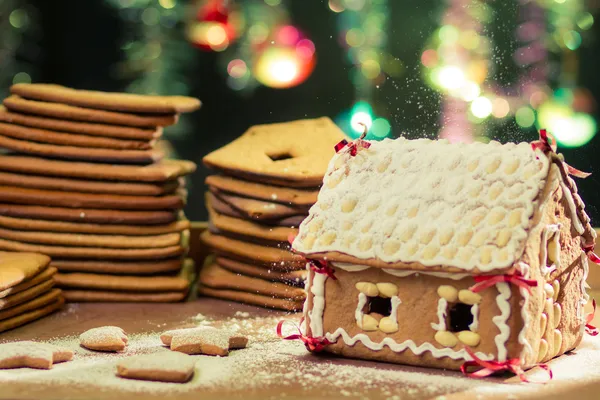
(428,201)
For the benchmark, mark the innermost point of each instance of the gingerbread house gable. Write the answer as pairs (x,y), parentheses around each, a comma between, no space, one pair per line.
(410,229)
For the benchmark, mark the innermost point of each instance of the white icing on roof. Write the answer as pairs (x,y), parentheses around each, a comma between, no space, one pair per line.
(430,202)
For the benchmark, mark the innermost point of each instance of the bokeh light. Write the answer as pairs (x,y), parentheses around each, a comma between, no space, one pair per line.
(429,58)
(359,118)
(500,107)
(481,107)
(575,131)
(570,129)
(381,128)
(237,68)
(450,77)
(470,91)
(525,117)
(282,67)
(572,40)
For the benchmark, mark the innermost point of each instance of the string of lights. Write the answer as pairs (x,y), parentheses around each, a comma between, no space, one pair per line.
(362,31)
(460,61)
(156,53)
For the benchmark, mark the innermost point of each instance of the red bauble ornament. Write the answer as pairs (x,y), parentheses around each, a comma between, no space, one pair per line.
(212,30)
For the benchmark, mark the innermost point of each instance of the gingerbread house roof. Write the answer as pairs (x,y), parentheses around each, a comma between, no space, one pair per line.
(430,204)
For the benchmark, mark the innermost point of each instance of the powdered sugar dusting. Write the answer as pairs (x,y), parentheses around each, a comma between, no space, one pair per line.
(269,367)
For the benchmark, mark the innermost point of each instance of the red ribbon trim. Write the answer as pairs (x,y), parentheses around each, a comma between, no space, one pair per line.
(312,343)
(543,143)
(489,368)
(355,145)
(485,281)
(589,251)
(576,173)
(545,146)
(589,328)
(321,267)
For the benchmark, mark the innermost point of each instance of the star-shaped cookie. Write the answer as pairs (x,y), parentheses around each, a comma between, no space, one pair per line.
(29,354)
(104,338)
(203,340)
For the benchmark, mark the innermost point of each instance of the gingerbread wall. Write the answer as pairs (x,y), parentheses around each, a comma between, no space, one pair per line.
(555,307)
(418,310)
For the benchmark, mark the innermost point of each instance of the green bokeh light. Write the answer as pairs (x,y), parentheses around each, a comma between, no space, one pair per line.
(381,128)
(525,117)
(572,40)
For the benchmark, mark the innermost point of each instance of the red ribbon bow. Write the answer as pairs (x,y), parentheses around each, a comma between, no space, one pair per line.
(589,328)
(544,145)
(491,367)
(355,145)
(322,267)
(311,343)
(486,281)
(589,251)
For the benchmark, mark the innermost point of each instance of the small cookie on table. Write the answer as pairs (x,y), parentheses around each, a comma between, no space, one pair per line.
(29,354)
(105,338)
(203,340)
(163,367)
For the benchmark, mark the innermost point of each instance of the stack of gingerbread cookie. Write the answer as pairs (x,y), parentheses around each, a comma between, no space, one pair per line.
(26,289)
(84,182)
(269,179)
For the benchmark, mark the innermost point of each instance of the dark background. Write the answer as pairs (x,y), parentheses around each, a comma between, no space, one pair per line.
(80,42)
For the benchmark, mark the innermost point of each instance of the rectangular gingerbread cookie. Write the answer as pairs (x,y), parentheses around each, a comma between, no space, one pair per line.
(83,128)
(24,224)
(77,153)
(251,298)
(89,186)
(243,227)
(32,315)
(16,268)
(138,284)
(132,267)
(216,277)
(88,215)
(43,276)
(71,139)
(89,240)
(162,171)
(55,198)
(293,154)
(125,102)
(37,302)
(277,194)
(258,210)
(294,278)
(105,296)
(72,113)
(26,295)
(276,258)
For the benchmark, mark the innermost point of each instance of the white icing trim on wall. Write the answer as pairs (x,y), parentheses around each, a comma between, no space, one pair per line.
(401,273)
(574,216)
(500,320)
(400,347)
(552,229)
(584,296)
(358,313)
(404,273)
(527,349)
(474,326)
(442,309)
(318,291)
(350,267)
(305,310)
(394,313)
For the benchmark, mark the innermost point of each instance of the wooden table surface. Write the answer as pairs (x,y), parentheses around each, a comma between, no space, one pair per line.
(268,368)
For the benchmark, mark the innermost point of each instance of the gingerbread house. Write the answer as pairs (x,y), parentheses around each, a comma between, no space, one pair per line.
(434,254)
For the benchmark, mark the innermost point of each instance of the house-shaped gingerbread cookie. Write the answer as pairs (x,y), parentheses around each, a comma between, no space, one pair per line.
(422,251)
